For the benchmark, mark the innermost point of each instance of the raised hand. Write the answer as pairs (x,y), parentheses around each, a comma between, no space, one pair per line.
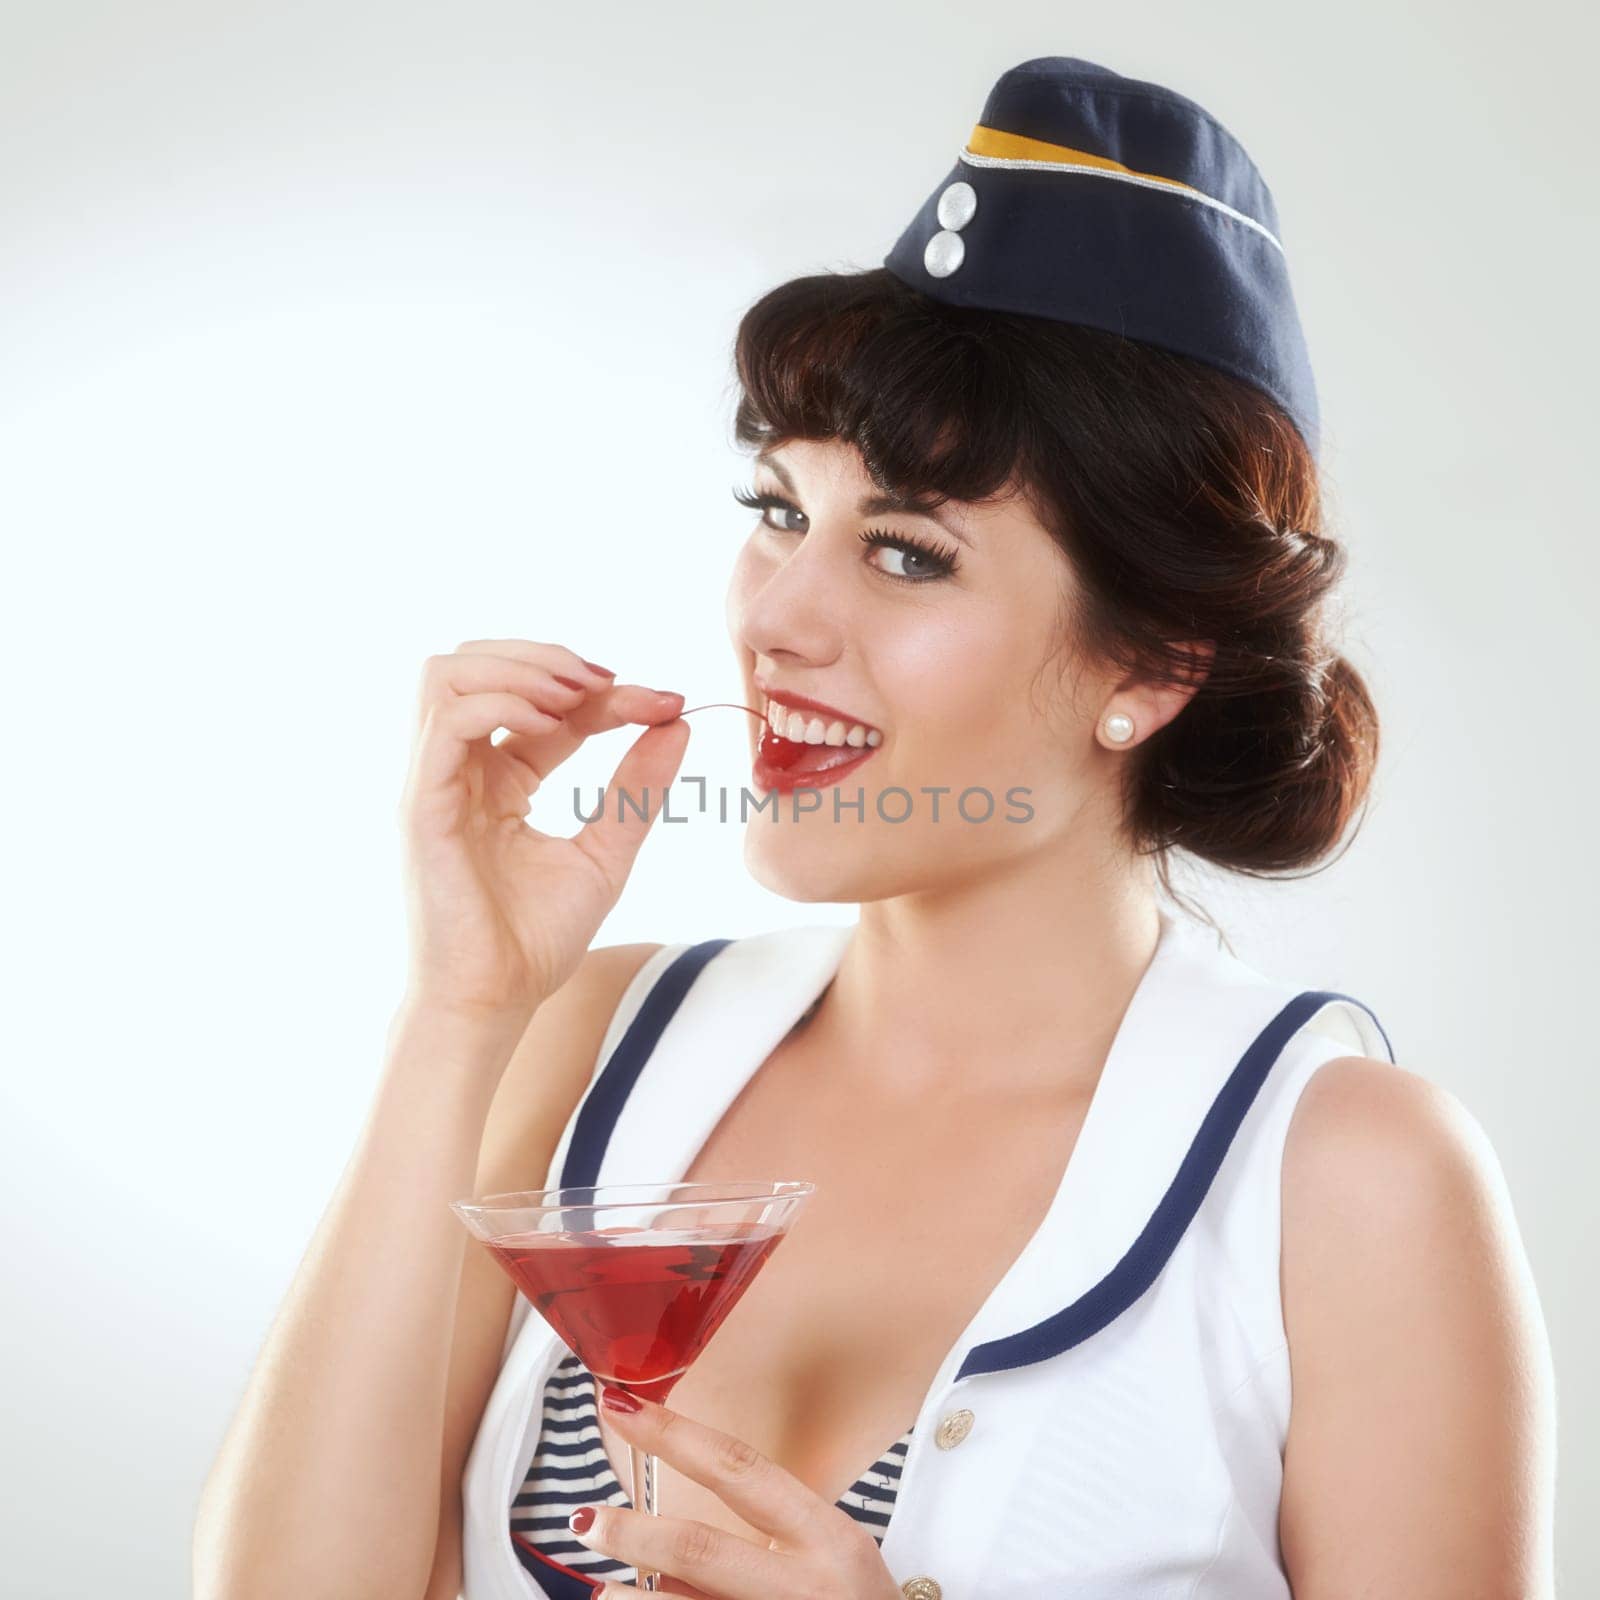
(500,914)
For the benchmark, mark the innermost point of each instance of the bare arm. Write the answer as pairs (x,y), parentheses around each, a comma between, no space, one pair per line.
(453,1304)
(1421,1453)
(327,1484)
(327,1479)
(524,1129)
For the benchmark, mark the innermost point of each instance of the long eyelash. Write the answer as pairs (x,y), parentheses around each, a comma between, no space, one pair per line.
(945,562)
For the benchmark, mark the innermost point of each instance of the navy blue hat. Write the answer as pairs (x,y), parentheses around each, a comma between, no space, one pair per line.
(1084,196)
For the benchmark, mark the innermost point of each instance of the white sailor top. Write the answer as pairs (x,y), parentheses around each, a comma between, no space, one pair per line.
(1111,1423)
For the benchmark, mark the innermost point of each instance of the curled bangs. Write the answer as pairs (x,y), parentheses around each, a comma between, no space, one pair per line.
(927,393)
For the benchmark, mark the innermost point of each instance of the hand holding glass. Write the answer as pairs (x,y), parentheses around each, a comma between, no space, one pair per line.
(636,1277)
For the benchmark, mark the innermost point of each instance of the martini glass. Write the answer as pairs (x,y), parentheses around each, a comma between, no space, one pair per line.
(636,1277)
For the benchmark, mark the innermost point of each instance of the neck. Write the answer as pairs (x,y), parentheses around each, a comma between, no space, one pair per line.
(1014,984)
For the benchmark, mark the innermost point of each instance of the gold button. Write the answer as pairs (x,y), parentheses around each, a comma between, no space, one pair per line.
(920,1589)
(953,1430)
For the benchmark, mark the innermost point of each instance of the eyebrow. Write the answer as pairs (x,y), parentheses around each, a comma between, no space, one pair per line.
(873,505)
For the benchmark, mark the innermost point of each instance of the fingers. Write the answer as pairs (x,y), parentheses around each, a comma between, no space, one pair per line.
(766,1495)
(454,723)
(597,713)
(696,1554)
(633,799)
(535,690)
(668,1585)
(546,679)
(554,656)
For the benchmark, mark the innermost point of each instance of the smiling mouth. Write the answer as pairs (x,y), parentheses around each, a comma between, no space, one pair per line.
(790,726)
(776,754)
(782,762)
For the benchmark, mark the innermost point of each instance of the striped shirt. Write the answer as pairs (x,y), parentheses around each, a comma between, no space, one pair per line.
(570,1469)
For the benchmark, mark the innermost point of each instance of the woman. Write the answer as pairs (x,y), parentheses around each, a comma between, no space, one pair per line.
(1040,538)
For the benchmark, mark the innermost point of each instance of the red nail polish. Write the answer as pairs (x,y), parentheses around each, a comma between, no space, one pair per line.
(581,1519)
(594,666)
(618,1399)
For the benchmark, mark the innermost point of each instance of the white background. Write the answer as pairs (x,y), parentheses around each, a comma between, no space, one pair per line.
(334,334)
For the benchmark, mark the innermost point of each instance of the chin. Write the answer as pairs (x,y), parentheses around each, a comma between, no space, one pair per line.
(815,862)
(804,864)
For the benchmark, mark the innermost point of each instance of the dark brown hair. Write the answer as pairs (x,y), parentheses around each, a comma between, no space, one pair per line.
(1184,498)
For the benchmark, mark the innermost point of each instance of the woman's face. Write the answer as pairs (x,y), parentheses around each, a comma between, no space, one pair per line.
(951,653)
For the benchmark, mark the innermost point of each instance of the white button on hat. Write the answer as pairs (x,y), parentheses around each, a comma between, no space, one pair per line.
(957,205)
(943,254)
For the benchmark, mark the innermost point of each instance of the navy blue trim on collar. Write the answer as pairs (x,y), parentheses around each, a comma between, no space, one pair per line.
(1149,1253)
(598,1115)
(1098,1306)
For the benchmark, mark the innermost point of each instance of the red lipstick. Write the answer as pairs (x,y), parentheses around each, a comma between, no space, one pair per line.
(783,765)
(786,764)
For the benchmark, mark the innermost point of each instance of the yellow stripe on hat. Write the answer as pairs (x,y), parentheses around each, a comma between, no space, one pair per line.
(993,147)
(1017,147)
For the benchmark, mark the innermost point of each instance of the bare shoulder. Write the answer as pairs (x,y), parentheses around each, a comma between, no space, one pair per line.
(1421,1435)
(1383,1160)
(556,1056)
(606,970)
(1359,1120)
(599,981)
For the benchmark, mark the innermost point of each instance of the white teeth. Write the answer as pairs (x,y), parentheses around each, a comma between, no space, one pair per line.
(794,726)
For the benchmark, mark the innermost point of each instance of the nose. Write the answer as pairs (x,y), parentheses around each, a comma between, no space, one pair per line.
(788,607)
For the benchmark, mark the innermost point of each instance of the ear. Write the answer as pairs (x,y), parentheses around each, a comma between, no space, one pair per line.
(1153,705)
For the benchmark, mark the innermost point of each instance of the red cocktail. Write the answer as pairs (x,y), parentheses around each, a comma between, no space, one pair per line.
(636,1277)
(637,1305)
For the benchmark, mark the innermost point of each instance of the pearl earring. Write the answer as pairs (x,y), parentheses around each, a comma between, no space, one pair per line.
(1118,727)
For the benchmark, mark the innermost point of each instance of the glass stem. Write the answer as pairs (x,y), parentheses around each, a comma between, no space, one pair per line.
(642,1472)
